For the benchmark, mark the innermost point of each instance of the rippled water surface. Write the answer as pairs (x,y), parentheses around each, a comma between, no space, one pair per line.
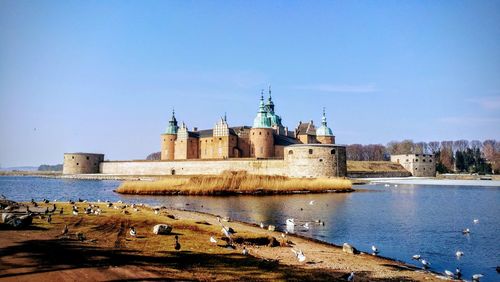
(401,222)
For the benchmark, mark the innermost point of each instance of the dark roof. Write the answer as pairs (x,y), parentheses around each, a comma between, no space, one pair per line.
(306,128)
(205,133)
(194,134)
(210,132)
(284,140)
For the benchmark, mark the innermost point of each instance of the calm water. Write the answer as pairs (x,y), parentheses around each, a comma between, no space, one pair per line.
(401,222)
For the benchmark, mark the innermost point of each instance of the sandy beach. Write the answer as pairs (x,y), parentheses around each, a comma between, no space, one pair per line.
(110,253)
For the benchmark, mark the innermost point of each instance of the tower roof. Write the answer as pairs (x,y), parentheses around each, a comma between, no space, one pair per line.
(262,120)
(172,125)
(324,130)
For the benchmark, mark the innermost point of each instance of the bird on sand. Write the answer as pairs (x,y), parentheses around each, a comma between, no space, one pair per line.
(262,225)
(425,263)
(177,246)
(458,273)
(375,250)
(311,202)
(65,230)
(132,232)
(49,218)
(61,211)
(350,277)
(300,255)
(212,240)
(245,251)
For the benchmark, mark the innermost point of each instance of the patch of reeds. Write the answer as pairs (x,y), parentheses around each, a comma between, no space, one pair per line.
(232,182)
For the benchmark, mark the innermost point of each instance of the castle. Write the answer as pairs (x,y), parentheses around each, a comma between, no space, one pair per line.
(267,147)
(267,138)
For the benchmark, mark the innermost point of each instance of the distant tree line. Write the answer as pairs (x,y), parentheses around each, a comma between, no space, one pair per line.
(451,156)
(44,167)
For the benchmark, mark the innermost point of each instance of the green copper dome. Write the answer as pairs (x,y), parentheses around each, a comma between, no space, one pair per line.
(262,120)
(324,130)
(172,125)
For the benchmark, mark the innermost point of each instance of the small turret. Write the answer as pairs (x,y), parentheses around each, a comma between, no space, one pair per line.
(168,139)
(324,134)
(262,120)
(261,134)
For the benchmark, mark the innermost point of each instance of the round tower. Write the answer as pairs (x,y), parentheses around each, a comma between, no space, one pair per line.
(261,134)
(82,163)
(324,134)
(168,140)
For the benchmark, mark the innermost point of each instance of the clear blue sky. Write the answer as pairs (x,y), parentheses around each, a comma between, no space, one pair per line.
(103,76)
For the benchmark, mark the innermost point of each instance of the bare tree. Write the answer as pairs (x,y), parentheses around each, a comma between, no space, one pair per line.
(434,147)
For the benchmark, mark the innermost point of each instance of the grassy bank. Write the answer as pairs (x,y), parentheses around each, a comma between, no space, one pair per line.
(231,183)
(374,166)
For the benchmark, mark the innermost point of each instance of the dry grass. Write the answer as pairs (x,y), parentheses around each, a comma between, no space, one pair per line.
(230,183)
(373,166)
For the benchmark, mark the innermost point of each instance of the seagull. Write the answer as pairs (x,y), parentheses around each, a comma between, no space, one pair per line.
(245,251)
(458,273)
(212,240)
(476,221)
(132,232)
(477,277)
(177,245)
(61,211)
(306,225)
(416,257)
(387,185)
(459,254)
(375,250)
(395,185)
(75,212)
(80,236)
(449,273)
(300,255)
(3,196)
(65,230)
(262,225)
(290,221)
(49,219)
(466,231)
(311,202)
(350,277)
(425,263)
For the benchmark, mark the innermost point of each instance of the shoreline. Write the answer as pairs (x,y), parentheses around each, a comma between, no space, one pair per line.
(325,261)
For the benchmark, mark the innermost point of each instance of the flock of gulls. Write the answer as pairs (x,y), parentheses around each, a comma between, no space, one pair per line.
(228,232)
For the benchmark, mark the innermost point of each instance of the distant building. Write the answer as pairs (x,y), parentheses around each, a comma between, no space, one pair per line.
(422,165)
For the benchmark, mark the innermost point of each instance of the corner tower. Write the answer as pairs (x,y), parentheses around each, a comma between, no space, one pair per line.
(261,134)
(324,134)
(168,139)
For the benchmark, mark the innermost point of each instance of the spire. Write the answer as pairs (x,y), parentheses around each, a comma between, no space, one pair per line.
(225,116)
(270,98)
(262,120)
(172,124)
(324,130)
(323,120)
(270,104)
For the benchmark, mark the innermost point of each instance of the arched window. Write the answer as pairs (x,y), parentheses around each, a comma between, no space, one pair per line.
(290,152)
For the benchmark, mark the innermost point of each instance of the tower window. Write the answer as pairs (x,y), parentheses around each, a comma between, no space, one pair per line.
(290,152)
(332,152)
(310,151)
(87,158)
(260,133)
(320,160)
(77,164)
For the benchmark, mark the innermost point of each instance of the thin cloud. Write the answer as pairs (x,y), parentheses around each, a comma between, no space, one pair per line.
(336,88)
(487,103)
(468,120)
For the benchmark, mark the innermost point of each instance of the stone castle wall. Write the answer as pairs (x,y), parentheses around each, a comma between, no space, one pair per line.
(316,160)
(81,163)
(203,167)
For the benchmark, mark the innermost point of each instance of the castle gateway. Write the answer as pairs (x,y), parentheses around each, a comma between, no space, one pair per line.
(267,147)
